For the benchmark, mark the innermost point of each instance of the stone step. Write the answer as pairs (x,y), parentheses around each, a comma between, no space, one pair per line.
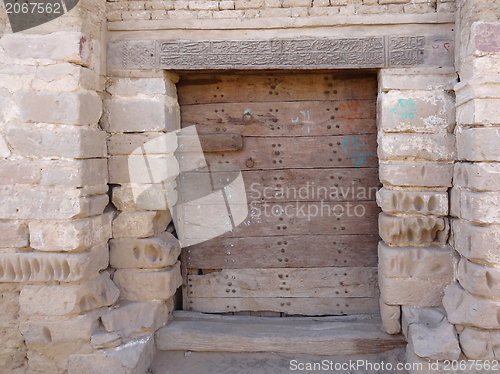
(328,336)
(187,362)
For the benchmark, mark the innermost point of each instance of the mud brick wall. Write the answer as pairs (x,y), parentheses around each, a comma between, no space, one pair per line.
(238,9)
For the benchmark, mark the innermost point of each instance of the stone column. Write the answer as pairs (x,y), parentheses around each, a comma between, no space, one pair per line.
(472,302)
(53,191)
(416,148)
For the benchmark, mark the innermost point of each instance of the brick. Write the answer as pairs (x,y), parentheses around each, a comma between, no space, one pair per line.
(480,344)
(15,172)
(116,6)
(323,11)
(45,202)
(143,87)
(160,5)
(129,317)
(248,4)
(114,16)
(272,3)
(296,3)
(416,262)
(383,2)
(432,147)
(67,108)
(479,176)
(251,13)
(416,174)
(136,15)
(44,140)
(134,357)
(70,235)
(136,5)
(446,7)
(339,2)
(276,12)
(204,14)
(143,285)
(14,234)
(478,144)
(417,111)
(430,334)
(321,3)
(463,308)
(69,299)
(479,280)
(148,196)
(141,115)
(421,293)
(74,173)
(372,9)
(46,267)
(158,14)
(413,202)
(226,5)
(150,253)
(140,224)
(228,14)
(478,243)
(67,46)
(479,207)
(412,230)
(163,168)
(391,317)
(203,5)
(417,8)
(181,14)
(181,5)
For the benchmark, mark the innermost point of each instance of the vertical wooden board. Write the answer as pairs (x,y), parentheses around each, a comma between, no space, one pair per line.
(271,88)
(306,118)
(309,306)
(313,282)
(284,252)
(302,152)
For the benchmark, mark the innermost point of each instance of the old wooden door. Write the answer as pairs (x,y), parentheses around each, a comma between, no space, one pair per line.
(309,163)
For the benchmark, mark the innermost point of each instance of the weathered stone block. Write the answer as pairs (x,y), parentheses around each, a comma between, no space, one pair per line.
(101,340)
(140,224)
(67,77)
(133,358)
(14,234)
(55,330)
(480,207)
(480,176)
(413,202)
(416,262)
(130,318)
(433,147)
(480,344)
(478,143)
(46,267)
(4,148)
(432,338)
(44,202)
(412,291)
(9,307)
(69,299)
(143,285)
(408,230)
(415,79)
(75,173)
(72,47)
(391,317)
(417,174)
(134,115)
(417,111)
(125,144)
(142,87)
(483,111)
(463,308)
(19,172)
(44,140)
(480,280)
(478,243)
(160,167)
(150,196)
(70,235)
(67,108)
(150,253)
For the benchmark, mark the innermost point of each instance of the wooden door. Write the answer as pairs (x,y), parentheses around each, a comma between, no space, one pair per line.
(304,253)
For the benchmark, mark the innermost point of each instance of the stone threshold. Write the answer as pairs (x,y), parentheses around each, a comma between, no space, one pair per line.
(321,336)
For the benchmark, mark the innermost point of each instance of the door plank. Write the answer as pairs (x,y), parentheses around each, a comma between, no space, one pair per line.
(297,282)
(272,88)
(284,118)
(301,152)
(293,219)
(284,251)
(309,306)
